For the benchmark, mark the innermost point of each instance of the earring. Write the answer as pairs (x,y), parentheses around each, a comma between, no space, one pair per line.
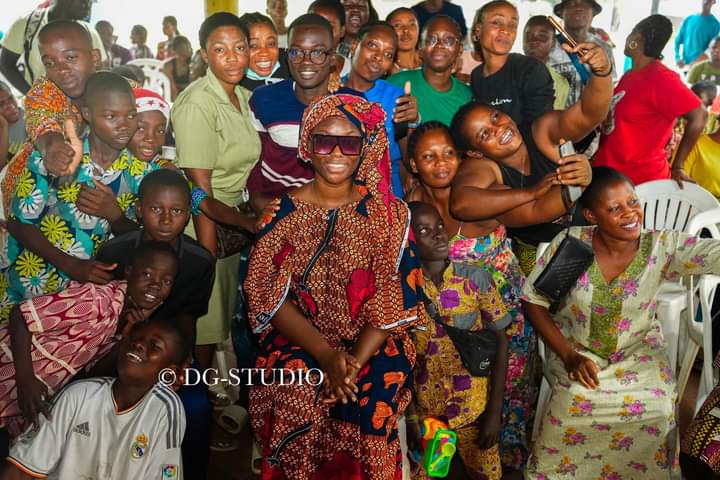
(632,45)
(334,83)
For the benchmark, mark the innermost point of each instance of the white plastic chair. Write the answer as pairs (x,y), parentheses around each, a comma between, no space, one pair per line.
(702,291)
(668,207)
(155,78)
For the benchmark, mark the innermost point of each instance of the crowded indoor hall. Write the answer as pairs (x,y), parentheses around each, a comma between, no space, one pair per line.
(359,239)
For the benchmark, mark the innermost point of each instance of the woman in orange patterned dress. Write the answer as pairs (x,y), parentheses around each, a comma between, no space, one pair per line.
(334,284)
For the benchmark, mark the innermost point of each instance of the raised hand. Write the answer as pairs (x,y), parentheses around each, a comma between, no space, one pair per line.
(406,107)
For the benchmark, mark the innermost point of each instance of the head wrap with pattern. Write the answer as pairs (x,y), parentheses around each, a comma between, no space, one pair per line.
(373,173)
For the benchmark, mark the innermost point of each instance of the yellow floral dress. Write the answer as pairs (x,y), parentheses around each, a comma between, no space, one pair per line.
(467,299)
(620,430)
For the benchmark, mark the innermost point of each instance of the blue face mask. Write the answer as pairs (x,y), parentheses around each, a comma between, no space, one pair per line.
(254,76)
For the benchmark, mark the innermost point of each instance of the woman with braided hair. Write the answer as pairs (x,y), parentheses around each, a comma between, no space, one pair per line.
(645,106)
(334,284)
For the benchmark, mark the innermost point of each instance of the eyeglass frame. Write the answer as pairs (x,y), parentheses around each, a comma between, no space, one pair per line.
(433,40)
(308,53)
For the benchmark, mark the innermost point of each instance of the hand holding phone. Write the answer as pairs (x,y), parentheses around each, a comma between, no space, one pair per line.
(566,149)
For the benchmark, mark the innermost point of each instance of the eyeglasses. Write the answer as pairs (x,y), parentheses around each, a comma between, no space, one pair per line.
(317,55)
(325,144)
(447,42)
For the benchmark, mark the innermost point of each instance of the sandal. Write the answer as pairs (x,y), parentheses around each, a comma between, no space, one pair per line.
(224,444)
(233,419)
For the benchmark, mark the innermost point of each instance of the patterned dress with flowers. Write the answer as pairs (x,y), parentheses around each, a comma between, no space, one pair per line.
(494,253)
(49,204)
(622,429)
(467,299)
(344,269)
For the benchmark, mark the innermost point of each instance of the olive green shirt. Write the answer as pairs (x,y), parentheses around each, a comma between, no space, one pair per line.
(211,134)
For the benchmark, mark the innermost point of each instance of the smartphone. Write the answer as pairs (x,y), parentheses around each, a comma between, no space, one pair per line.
(556,24)
(567,149)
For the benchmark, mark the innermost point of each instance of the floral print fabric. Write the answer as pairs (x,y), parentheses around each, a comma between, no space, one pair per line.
(49,205)
(494,253)
(620,430)
(467,299)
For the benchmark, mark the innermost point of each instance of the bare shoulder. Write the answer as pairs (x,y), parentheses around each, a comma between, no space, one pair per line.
(478,172)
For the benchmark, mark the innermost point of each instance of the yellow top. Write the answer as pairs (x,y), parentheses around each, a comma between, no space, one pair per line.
(703,164)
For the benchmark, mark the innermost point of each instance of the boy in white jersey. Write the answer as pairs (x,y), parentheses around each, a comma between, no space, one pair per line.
(125,428)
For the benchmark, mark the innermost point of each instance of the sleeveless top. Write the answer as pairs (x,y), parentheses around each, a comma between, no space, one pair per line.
(540,166)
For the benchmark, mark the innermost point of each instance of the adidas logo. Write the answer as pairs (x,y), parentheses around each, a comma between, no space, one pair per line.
(82,429)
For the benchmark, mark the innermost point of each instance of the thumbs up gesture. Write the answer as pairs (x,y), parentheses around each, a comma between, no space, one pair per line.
(62,154)
(406,107)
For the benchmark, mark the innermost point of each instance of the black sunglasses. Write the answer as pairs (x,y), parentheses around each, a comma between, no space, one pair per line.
(325,144)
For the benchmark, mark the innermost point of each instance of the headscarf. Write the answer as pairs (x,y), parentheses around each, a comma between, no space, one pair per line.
(373,173)
(147,100)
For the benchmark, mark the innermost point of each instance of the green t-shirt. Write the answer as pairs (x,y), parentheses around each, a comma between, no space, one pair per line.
(704,71)
(433,105)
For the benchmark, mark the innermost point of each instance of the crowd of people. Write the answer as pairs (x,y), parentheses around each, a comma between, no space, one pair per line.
(357,199)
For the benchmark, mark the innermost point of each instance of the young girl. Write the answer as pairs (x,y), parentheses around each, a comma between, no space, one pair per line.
(268,62)
(341,301)
(405,22)
(177,68)
(372,60)
(464,296)
(51,338)
(435,161)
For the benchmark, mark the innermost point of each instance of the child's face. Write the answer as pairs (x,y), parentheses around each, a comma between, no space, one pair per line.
(430,235)
(164,212)
(68,60)
(538,41)
(374,55)
(407,29)
(264,51)
(149,282)
(435,161)
(149,136)
(112,118)
(499,29)
(138,37)
(145,352)
(329,138)
(9,107)
(708,98)
(715,52)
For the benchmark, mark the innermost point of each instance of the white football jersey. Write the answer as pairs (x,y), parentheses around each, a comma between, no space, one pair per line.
(88,439)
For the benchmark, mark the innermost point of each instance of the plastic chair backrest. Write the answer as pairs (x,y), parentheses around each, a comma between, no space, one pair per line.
(155,78)
(707,220)
(667,207)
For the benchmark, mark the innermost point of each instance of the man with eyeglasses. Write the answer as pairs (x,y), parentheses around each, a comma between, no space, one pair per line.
(276,110)
(438,92)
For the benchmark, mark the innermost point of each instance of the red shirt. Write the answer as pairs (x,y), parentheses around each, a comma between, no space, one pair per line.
(644,109)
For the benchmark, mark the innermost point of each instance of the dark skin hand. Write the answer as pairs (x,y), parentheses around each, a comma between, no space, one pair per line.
(31,392)
(61,154)
(696,121)
(490,422)
(78,269)
(101,201)
(579,367)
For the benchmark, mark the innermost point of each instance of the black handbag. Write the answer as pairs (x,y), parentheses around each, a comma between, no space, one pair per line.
(572,258)
(231,239)
(477,348)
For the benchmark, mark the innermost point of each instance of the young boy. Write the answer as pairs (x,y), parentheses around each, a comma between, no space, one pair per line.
(538,42)
(138,37)
(57,224)
(51,338)
(12,125)
(129,427)
(464,296)
(164,208)
(66,48)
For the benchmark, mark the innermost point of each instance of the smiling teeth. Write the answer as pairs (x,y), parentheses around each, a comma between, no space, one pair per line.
(507,136)
(134,357)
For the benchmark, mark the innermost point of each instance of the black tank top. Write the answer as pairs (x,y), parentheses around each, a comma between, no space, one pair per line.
(540,166)
(180,81)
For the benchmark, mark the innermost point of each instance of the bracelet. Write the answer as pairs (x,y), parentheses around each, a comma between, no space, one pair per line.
(196,198)
(678,168)
(609,72)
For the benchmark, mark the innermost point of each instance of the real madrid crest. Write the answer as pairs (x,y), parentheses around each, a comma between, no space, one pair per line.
(139,446)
